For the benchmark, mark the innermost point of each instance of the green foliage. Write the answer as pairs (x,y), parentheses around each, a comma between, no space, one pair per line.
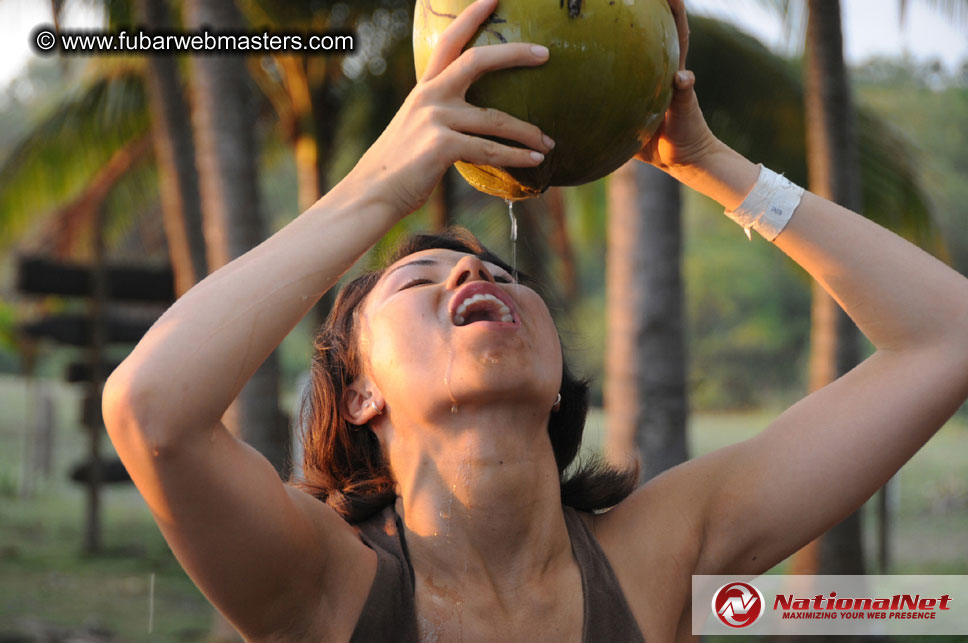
(754,102)
(932,110)
(64,149)
(8,337)
(747,312)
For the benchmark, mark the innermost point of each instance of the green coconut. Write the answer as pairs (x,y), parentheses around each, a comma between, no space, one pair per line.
(601,95)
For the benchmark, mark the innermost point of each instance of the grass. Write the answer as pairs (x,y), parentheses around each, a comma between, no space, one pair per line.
(48,587)
(47,584)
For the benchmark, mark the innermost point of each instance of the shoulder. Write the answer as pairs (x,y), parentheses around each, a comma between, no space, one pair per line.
(652,540)
(342,592)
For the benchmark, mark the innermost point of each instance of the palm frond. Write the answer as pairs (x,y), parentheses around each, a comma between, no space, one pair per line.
(65,149)
(753,100)
(67,228)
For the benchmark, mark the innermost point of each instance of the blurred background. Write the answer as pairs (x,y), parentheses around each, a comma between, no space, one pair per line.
(124,180)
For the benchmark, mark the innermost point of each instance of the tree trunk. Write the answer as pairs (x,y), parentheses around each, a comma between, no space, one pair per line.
(561,245)
(323,75)
(223,114)
(302,135)
(175,152)
(645,381)
(95,387)
(834,174)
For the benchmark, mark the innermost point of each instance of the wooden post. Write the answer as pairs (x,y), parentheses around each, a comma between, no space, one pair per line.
(97,306)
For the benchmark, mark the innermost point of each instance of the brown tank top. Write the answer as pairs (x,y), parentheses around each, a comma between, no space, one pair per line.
(390,615)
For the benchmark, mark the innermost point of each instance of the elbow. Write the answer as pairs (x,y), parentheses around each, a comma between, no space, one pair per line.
(117,404)
(126,407)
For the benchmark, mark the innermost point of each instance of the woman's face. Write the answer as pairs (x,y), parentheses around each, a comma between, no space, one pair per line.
(445,329)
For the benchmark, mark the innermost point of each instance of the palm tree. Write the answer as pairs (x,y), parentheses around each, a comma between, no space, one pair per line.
(62,155)
(645,382)
(223,110)
(834,174)
(223,103)
(175,155)
(306,91)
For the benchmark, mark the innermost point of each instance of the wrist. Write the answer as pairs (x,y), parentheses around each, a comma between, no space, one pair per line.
(366,198)
(769,206)
(720,173)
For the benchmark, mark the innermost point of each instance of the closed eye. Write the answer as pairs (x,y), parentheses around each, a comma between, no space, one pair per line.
(415,282)
(503,279)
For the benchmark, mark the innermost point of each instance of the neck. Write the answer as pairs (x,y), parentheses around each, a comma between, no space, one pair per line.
(480,497)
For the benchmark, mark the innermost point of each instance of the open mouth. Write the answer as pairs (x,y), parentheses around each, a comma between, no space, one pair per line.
(481,301)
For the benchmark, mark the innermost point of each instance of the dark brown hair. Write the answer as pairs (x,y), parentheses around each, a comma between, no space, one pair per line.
(345,466)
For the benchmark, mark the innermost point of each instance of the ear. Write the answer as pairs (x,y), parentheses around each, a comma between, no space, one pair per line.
(359,400)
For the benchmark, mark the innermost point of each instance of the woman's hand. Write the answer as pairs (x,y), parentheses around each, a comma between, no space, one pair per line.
(436,126)
(683,138)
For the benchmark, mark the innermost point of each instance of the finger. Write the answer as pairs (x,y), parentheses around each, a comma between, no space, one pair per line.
(685,81)
(482,151)
(682,28)
(477,61)
(492,122)
(684,99)
(456,36)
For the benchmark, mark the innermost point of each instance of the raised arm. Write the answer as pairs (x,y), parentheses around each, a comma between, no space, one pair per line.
(268,556)
(746,507)
(836,447)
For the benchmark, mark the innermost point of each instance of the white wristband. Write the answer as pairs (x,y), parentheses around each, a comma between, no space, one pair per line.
(769,205)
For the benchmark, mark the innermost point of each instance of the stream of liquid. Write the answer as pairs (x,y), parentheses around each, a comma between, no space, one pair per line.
(514,238)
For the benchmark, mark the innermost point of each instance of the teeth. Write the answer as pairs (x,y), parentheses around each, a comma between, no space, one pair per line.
(502,309)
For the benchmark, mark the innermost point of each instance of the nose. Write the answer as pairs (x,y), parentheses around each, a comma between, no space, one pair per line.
(469,268)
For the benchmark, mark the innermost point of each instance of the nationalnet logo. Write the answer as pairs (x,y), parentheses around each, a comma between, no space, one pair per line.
(738,604)
(830,605)
(898,606)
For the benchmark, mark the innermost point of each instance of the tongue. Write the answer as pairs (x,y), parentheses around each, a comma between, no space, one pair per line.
(472,316)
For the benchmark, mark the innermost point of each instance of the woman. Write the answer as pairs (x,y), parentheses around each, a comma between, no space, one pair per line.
(468,536)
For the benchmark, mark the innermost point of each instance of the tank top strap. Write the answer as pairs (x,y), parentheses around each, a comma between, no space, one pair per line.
(607,615)
(389,614)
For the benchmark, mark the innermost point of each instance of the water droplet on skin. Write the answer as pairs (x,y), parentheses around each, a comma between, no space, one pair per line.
(454,407)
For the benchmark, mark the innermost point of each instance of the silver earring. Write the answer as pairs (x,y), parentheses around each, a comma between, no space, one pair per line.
(373,406)
(557,404)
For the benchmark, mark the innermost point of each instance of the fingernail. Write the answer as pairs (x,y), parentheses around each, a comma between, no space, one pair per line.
(682,76)
(537,156)
(549,143)
(539,50)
